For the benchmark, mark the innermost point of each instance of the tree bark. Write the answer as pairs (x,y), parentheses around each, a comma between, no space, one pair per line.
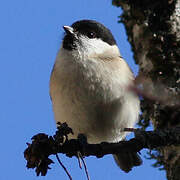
(153,30)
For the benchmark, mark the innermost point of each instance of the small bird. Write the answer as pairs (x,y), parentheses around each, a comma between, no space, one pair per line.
(89,88)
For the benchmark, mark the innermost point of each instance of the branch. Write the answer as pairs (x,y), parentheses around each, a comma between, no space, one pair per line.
(37,154)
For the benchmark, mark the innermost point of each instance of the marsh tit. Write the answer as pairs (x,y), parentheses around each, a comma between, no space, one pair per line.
(89,87)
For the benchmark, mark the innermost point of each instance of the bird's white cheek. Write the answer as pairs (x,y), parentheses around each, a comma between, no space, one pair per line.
(93,46)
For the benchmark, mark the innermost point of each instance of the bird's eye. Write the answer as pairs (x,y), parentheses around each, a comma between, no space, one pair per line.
(91,35)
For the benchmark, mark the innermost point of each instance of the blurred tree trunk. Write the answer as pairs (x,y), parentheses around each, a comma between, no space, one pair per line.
(153,30)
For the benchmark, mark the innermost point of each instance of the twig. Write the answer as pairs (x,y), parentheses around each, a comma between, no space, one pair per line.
(130,129)
(85,167)
(35,152)
(63,167)
(79,161)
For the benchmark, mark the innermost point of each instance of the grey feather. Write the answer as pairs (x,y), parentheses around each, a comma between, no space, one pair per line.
(126,161)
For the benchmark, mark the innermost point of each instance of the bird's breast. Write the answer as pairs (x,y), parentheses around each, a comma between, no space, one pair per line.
(90,98)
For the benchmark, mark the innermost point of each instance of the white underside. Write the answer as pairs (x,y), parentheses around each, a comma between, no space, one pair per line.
(92,96)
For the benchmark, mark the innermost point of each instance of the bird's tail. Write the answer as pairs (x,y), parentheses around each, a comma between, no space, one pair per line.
(127,160)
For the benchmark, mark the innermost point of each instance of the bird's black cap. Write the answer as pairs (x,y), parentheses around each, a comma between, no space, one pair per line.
(87,28)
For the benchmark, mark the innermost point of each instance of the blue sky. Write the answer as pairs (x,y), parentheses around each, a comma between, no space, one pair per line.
(30,34)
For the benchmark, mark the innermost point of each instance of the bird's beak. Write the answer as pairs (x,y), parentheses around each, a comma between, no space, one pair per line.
(68,30)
